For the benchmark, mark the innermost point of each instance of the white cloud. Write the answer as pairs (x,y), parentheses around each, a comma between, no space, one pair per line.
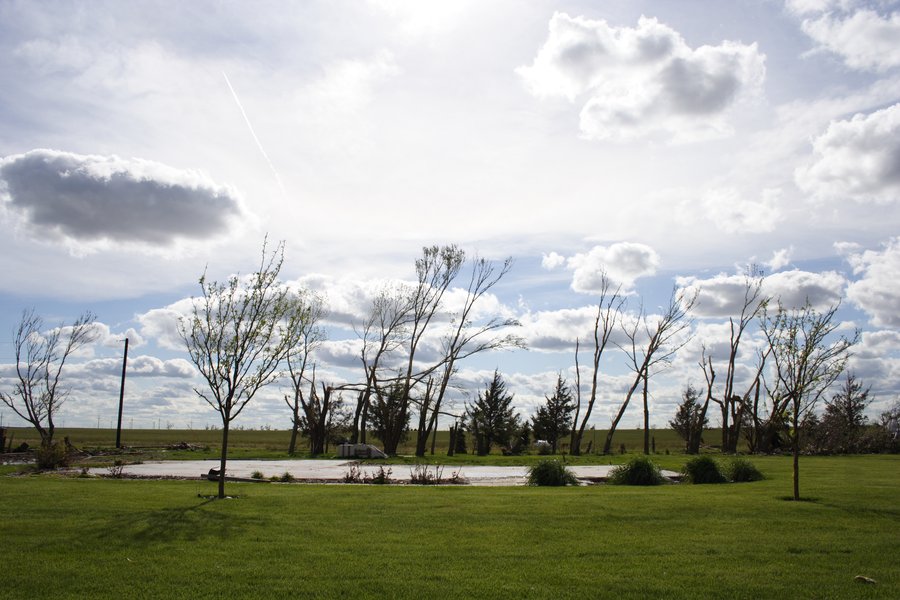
(857,159)
(730,212)
(552,261)
(780,259)
(622,262)
(719,296)
(644,80)
(862,37)
(794,288)
(877,292)
(88,199)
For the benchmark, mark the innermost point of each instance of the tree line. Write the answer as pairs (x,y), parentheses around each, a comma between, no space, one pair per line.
(246,332)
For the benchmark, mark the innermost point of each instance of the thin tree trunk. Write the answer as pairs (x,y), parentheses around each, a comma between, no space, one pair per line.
(796,452)
(646,420)
(224,457)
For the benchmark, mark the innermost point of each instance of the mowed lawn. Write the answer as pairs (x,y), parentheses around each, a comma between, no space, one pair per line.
(102,538)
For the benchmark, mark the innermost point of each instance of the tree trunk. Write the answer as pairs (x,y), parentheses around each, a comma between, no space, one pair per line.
(796,451)
(292,447)
(612,428)
(646,420)
(226,424)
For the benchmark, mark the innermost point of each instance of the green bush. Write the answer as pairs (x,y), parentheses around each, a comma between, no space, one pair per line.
(741,470)
(640,470)
(702,469)
(257,475)
(52,456)
(550,472)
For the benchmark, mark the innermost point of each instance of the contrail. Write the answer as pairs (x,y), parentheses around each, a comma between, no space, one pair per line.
(253,133)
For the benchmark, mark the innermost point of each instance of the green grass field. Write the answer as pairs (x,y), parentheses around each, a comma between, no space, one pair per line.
(274,443)
(101,538)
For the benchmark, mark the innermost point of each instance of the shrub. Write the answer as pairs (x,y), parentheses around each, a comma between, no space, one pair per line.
(550,472)
(52,456)
(283,478)
(421,475)
(741,470)
(640,470)
(257,475)
(702,469)
(115,470)
(381,477)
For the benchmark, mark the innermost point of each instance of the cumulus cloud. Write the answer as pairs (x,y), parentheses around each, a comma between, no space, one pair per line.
(857,159)
(623,262)
(794,288)
(552,261)
(90,199)
(723,295)
(877,291)
(780,259)
(638,81)
(862,37)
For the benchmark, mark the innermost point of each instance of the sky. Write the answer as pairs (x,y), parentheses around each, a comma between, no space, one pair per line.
(667,144)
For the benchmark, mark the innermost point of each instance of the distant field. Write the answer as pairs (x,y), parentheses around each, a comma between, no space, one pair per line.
(102,538)
(274,443)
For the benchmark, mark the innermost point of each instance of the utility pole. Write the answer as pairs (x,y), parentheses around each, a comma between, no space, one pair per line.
(121,398)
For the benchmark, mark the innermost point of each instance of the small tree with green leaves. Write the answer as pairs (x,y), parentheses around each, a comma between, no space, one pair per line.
(808,357)
(238,333)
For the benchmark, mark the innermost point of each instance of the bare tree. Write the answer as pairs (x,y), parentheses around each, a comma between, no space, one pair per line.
(308,311)
(40,357)
(608,308)
(465,339)
(732,404)
(650,345)
(238,333)
(808,357)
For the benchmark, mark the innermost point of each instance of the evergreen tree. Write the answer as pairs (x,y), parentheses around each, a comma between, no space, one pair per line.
(553,420)
(689,420)
(491,419)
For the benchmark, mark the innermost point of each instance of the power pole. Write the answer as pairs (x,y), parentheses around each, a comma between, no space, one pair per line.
(121,398)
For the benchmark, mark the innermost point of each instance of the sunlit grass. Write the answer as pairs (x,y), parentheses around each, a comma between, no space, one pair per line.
(77,538)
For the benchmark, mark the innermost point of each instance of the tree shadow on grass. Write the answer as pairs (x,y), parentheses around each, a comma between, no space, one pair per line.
(809,499)
(184,523)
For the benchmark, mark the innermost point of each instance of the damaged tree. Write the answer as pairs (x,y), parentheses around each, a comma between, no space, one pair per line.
(660,346)
(40,357)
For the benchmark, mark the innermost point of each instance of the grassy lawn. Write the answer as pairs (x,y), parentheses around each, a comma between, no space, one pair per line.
(97,538)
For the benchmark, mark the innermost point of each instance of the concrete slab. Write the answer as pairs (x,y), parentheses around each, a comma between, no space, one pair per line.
(333,471)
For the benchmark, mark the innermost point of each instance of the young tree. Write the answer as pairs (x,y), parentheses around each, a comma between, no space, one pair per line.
(308,310)
(40,357)
(662,341)
(553,420)
(808,357)
(238,333)
(492,418)
(608,308)
(690,419)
